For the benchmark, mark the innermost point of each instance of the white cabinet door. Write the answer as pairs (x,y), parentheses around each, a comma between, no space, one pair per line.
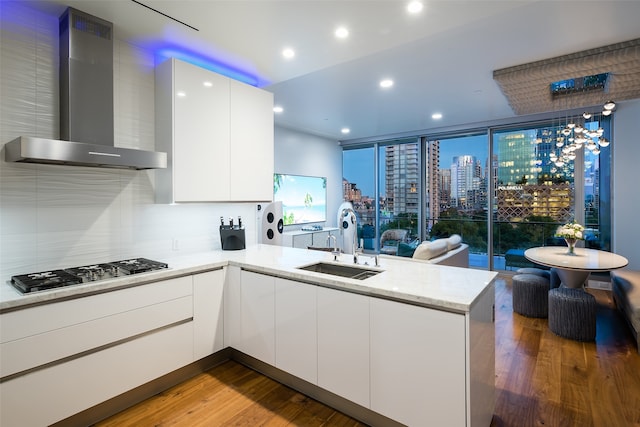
(251,143)
(58,391)
(417,364)
(218,134)
(201,134)
(192,126)
(85,324)
(208,313)
(481,354)
(296,329)
(232,307)
(257,317)
(343,344)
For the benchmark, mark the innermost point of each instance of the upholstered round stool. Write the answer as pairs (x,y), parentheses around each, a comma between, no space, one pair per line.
(572,314)
(530,295)
(552,275)
(533,270)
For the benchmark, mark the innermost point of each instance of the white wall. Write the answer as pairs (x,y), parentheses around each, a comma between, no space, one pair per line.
(60,216)
(626,194)
(300,153)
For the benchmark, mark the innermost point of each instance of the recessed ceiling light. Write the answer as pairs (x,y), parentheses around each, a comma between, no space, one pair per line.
(342,33)
(278,109)
(288,53)
(207,84)
(345,130)
(414,7)
(436,116)
(386,83)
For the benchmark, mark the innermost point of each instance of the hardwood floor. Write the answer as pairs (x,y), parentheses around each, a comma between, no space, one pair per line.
(546,380)
(541,380)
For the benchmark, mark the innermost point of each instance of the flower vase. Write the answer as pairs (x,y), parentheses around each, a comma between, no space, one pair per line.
(572,244)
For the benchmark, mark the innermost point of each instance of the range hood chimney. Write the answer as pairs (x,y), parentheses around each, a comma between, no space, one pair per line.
(86,104)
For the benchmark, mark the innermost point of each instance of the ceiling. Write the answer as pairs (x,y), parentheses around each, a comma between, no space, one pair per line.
(441,60)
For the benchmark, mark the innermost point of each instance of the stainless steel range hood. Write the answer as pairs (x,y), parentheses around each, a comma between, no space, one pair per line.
(86,104)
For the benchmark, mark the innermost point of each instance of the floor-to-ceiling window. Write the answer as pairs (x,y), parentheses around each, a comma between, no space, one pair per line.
(359,188)
(536,189)
(502,193)
(597,186)
(533,194)
(399,198)
(456,191)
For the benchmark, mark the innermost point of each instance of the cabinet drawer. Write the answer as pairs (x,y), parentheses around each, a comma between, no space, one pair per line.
(56,392)
(37,350)
(36,320)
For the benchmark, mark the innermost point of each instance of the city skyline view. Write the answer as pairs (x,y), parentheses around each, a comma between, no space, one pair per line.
(357,164)
(530,186)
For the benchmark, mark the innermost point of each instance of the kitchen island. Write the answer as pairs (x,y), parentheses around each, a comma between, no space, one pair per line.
(412,344)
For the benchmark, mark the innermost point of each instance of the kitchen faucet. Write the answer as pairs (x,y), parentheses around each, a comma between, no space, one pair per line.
(358,253)
(335,252)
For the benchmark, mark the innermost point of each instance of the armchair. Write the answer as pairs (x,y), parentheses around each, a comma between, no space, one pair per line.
(390,239)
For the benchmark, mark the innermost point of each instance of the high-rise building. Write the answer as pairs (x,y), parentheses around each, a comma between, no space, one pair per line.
(402,176)
(517,202)
(529,183)
(464,182)
(433,191)
(517,163)
(444,188)
(350,192)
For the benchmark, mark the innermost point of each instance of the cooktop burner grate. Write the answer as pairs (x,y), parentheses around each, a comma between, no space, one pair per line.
(138,265)
(44,280)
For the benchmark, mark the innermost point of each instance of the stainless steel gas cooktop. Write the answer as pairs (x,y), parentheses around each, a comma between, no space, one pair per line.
(33,282)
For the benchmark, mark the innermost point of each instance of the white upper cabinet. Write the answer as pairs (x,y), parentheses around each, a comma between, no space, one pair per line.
(251,148)
(218,134)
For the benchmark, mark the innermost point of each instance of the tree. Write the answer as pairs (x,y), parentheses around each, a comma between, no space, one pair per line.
(277,182)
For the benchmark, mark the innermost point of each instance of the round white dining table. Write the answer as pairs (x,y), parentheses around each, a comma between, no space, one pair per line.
(573,269)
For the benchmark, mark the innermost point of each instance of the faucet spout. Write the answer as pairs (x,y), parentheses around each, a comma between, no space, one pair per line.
(335,252)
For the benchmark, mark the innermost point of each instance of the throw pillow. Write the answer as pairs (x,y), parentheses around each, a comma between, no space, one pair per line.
(429,250)
(454,241)
(406,249)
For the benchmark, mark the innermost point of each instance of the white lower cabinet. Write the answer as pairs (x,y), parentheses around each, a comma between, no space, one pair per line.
(418,370)
(296,329)
(343,344)
(232,310)
(257,316)
(208,313)
(51,394)
(62,358)
(415,365)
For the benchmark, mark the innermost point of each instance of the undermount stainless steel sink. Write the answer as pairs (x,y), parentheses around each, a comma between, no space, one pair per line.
(349,271)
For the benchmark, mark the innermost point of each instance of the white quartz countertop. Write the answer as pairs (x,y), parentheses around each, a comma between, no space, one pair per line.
(447,288)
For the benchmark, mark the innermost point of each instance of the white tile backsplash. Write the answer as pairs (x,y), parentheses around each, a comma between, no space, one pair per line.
(58,216)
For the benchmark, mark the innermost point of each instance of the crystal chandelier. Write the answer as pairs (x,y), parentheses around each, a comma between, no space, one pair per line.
(577,135)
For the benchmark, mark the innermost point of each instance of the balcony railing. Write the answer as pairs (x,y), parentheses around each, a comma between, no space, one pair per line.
(509,238)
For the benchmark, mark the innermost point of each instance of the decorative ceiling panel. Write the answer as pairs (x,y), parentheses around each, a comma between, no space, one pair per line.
(527,86)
